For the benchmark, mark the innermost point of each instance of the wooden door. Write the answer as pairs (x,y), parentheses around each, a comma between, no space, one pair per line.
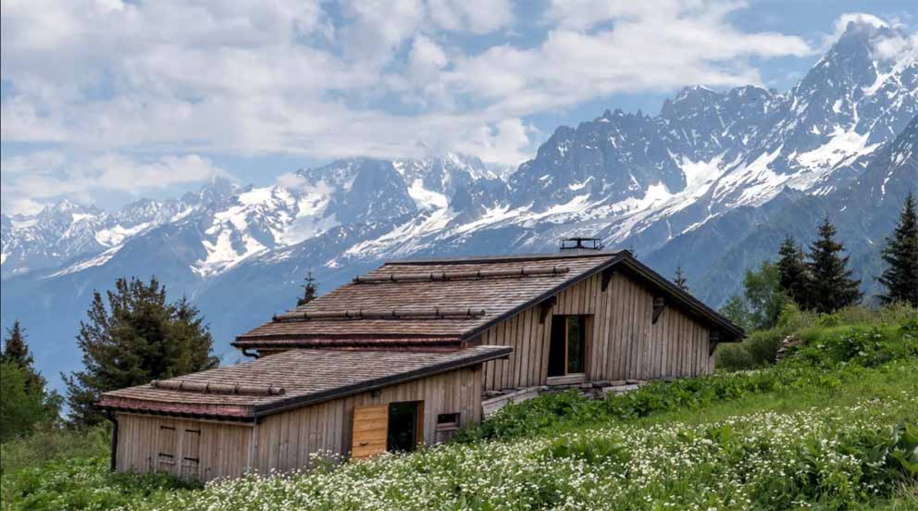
(167,448)
(191,452)
(371,429)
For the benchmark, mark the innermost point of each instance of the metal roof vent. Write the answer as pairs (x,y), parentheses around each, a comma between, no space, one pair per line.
(579,244)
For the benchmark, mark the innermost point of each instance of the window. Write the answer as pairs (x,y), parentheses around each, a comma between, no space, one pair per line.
(567,353)
(447,425)
(448,421)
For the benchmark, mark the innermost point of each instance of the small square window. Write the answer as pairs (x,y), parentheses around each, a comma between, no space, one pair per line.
(448,421)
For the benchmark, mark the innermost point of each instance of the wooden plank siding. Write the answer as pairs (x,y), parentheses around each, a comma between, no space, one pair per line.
(288,440)
(291,440)
(622,343)
(221,448)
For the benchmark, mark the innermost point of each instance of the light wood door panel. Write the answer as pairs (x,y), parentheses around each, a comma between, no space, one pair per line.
(371,429)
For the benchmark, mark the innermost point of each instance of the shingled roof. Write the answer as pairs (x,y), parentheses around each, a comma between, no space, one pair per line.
(289,380)
(442,302)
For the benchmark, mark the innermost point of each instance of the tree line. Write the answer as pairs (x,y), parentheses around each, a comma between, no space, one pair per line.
(819,279)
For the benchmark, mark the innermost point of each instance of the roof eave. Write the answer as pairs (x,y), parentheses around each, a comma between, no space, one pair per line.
(734,332)
(357,388)
(258,411)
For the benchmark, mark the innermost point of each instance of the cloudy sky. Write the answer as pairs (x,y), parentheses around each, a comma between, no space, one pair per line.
(105,101)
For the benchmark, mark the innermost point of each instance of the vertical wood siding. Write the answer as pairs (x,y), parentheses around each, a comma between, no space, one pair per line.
(292,440)
(623,342)
(221,448)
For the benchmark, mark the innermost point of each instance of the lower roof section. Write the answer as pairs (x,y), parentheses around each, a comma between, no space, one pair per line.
(289,380)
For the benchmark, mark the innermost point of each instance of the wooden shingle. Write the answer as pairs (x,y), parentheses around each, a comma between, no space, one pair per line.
(290,379)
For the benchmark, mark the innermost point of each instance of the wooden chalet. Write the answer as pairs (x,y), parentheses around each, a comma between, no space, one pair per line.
(569,317)
(403,355)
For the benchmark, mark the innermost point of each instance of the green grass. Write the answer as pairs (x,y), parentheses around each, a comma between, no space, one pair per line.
(835,426)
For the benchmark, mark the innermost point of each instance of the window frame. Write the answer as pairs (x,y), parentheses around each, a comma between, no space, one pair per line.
(583,321)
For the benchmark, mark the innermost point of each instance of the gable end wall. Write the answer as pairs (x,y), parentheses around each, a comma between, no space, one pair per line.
(623,344)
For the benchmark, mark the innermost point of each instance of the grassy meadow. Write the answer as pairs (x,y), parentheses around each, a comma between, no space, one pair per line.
(832,426)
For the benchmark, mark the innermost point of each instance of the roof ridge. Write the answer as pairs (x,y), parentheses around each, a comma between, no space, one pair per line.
(505,258)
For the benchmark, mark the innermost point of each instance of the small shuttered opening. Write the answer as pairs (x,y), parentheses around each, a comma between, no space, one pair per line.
(168,448)
(191,451)
(447,426)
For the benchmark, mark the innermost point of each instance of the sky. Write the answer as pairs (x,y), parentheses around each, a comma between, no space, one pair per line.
(107,101)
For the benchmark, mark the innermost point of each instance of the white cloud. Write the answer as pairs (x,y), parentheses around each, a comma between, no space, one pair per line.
(378,28)
(38,161)
(371,78)
(41,176)
(888,38)
(858,18)
(477,16)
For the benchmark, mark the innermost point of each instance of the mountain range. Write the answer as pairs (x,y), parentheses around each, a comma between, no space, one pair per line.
(712,184)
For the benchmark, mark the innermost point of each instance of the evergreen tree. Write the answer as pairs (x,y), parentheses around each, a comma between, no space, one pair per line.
(16,351)
(901,254)
(794,279)
(137,337)
(680,280)
(831,287)
(22,407)
(310,288)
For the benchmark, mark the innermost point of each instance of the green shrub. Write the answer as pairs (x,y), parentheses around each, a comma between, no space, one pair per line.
(760,348)
(733,357)
(592,450)
(54,443)
(862,345)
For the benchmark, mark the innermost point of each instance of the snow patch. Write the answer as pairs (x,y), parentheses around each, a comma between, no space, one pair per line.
(117,234)
(426,199)
(222,254)
(98,260)
(81,216)
(842,148)
(579,186)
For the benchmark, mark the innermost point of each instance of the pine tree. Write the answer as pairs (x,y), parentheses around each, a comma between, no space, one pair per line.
(680,280)
(831,287)
(137,337)
(22,408)
(794,279)
(16,351)
(901,254)
(310,288)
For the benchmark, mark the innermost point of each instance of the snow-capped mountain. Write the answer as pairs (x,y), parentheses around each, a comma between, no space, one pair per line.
(711,183)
